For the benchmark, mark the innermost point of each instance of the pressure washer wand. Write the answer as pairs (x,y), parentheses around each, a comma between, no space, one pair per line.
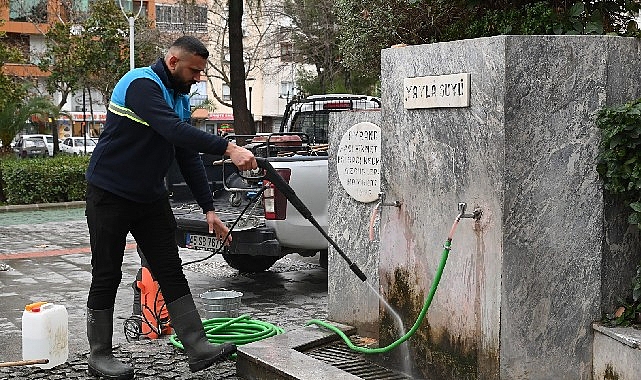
(272,175)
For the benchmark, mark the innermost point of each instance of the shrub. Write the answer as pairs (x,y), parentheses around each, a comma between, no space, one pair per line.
(620,167)
(47,180)
(620,154)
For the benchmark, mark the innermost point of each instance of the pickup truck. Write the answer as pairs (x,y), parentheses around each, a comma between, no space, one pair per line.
(270,227)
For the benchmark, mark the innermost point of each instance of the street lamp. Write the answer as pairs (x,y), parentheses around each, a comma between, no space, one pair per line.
(131,20)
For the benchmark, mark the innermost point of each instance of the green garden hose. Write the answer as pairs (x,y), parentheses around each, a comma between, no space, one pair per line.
(239,330)
(419,320)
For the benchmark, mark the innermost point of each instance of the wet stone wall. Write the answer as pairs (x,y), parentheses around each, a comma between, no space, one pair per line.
(349,299)
(524,283)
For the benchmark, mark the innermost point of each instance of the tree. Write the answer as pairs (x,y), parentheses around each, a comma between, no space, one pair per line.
(366,27)
(107,33)
(242,39)
(90,50)
(243,122)
(10,87)
(315,36)
(15,113)
(12,91)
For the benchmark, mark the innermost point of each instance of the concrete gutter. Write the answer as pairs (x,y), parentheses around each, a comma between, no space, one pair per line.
(42,206)
(280,357)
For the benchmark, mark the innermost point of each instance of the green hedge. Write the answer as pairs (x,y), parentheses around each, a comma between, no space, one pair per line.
(43,180)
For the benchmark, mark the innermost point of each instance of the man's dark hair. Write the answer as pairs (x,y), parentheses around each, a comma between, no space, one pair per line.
(191,45)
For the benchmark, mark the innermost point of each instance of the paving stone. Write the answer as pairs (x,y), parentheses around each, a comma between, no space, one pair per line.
(288,295)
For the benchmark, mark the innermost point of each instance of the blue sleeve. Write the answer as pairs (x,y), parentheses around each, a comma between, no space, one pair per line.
(145,98)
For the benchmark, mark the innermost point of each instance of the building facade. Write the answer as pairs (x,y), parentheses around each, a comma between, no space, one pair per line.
(25,23)
(271,69)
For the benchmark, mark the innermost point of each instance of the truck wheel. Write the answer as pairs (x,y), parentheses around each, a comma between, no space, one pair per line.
(249,263)
(322,258)
(235,199)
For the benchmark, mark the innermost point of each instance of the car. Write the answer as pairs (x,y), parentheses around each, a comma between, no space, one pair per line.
(48,140)
(30,147)
(76,146)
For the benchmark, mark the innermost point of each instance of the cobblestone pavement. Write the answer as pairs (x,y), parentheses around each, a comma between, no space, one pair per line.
(47,258)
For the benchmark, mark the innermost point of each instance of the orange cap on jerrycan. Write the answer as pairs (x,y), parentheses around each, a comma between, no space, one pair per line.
(35,307)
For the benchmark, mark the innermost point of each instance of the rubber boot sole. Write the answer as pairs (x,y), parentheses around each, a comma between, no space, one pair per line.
(227,349)
(94,372)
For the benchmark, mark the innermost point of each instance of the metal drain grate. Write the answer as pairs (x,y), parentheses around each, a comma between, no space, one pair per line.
(340,356)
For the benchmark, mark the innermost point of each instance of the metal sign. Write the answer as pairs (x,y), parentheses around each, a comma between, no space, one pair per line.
(441,91)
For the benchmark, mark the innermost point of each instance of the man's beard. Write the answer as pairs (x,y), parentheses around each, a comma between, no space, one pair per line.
(183,88)
(180,86)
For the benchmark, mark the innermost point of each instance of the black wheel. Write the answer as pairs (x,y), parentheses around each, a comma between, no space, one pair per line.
(235,199)
(322,258)
(250,264)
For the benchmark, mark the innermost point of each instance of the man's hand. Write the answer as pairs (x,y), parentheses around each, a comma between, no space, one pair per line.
(218,227)
(241,157)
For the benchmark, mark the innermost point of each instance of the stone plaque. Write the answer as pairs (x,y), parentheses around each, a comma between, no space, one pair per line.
(437,91)
(359,161)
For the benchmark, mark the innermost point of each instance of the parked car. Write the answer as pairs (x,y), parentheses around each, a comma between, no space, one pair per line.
(76,145)
(30,147)
(48,140)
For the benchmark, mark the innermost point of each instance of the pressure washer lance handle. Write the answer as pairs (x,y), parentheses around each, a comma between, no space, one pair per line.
(272,175)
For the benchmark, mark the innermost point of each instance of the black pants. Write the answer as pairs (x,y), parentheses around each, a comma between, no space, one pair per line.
(110,218)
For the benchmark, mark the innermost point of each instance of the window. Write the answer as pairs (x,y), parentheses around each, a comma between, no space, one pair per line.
(81,6)
(198,94)
(287,90)
(286,52)
(21,42)
(185,18)
(28,10)
(226,92)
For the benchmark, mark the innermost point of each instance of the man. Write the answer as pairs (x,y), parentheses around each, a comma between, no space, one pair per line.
(146,128)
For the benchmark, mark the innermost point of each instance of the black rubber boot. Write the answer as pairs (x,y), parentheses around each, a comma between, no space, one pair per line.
(189,329)
(101,361)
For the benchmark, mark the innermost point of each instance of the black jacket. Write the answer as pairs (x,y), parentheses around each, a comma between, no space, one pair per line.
(131,159)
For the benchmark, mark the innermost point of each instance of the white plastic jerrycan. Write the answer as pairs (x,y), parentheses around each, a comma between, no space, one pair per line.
(45,333)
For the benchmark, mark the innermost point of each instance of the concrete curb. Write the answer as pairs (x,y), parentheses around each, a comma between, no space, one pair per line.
(42,206)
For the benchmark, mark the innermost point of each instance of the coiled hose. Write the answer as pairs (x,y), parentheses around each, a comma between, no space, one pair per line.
(239,330)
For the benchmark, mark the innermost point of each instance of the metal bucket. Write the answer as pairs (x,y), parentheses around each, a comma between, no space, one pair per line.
(221,303)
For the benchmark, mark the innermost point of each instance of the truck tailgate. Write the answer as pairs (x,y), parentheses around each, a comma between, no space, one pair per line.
(309,180)
(250,236)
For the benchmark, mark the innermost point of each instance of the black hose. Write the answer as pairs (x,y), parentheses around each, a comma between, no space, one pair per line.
(272,175)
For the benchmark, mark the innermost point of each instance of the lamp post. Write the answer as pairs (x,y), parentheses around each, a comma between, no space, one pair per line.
(131,20)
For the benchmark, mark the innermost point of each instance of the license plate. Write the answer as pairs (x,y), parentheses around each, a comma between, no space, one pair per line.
(206,242)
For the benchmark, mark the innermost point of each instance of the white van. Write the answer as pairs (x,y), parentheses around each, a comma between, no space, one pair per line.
(48,140)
